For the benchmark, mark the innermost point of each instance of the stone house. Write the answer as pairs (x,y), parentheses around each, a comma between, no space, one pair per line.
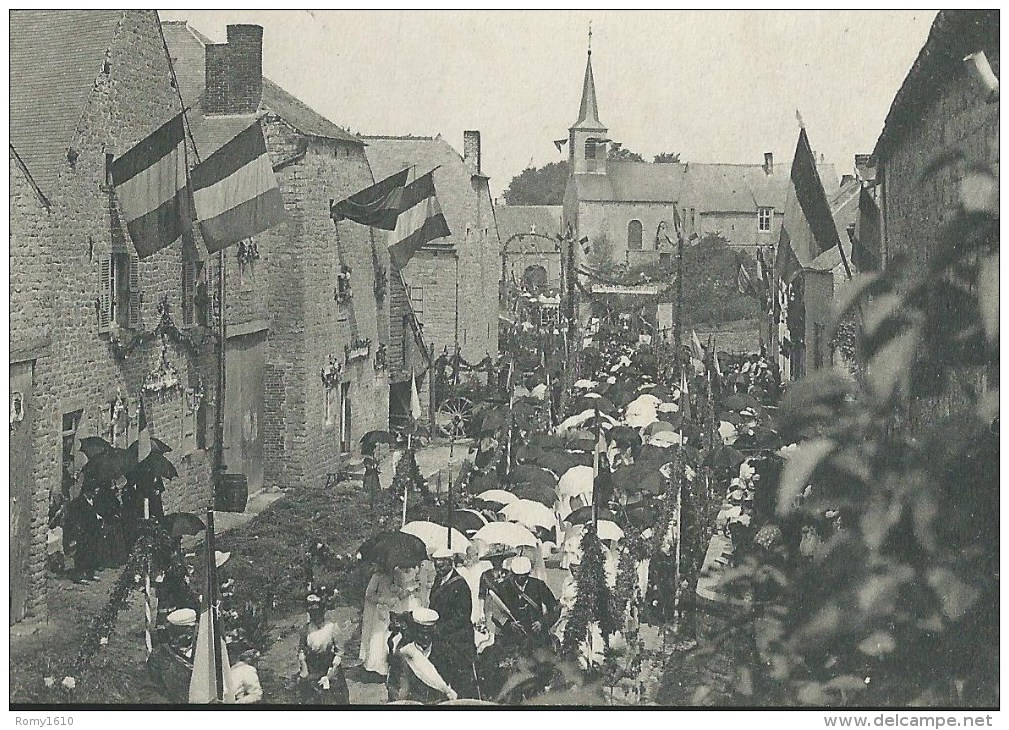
(464,267)
(34,440)
(86,87)
(627,208)
(939,108)
(308,302)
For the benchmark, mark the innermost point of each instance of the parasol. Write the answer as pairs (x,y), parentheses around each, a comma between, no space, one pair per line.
(497,496)
(593,401)
(536,492)
(394,550)
(659,427)
(92,446)
(576,481)
(624,436)
(107,466)
(510,534)
(467,521)
(529,513)
(641,514)
(155,466)
(739,402)
(373,438)
(435,536)
(183,523)
(529,474)
(608,530)
(583,515)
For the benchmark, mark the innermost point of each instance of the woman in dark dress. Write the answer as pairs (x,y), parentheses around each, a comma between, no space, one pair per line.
(321,678)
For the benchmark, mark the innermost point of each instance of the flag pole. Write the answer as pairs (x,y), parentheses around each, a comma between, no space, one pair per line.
(148,611)
(215,641)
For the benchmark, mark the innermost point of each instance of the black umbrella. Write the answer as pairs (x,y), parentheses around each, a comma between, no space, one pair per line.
(466,521)
(536,492)
(624,436)
(525,453)
(393,550)
(489,420)
(155,466)
(724,457)
(603,405)
(530,474)
(641,514)
(583,515)
(107,466)
(546,441)
(93,446)
(739,402)
(371,439)
(183,523)
(557,461)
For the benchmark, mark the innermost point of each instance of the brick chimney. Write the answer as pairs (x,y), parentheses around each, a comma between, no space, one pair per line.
(471,152)
(234,72)
(768,163)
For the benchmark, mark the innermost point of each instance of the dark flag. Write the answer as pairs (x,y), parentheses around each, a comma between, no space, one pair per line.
(151,185)
(378,206)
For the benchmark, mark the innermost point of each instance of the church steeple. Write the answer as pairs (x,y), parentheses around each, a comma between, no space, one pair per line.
(587,140)
(588,113)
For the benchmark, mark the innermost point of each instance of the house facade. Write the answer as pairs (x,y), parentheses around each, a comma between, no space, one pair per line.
(308,302)
(938,109)
(530,251)
(86,87)
(452,282)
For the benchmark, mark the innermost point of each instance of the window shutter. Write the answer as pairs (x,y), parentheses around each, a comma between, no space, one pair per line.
(104,292)
(134,290)
(188,292)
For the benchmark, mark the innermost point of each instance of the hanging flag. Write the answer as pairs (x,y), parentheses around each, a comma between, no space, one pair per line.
(236,192)
(415,411)
(211,680)
(144,434)
(744,283)
(559,144)
(420,221)
(377,206)
(696,351)
(684,396)
(151,185)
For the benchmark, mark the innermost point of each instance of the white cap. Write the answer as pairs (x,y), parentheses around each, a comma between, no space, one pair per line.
(220,558)
(520,565)
(424,616)
(182,617)
(443,553)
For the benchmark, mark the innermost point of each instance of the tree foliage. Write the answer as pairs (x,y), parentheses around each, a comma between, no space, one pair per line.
(622,154)
(538,185)
(666,157)
(898,602)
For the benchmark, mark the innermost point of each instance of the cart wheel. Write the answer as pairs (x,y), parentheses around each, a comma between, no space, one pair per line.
(454,416)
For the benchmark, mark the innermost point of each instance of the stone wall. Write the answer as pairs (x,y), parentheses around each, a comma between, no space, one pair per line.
(30,316)
(126,104)
(740,229)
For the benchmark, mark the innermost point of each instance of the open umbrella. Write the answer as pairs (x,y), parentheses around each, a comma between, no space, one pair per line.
(497,496)
(490,420)
(510,534)
(530,474)
(724,457)
(373,438)
(624,436)
(576,481)
(92,446)
(739,402)
(546,441)
(536,492)
(183,523)
(583,515)
(608,530)
(467,521)
(660,426)
(525,453)
(108,465)
(155,466)
(436,537)
(394,550)
(641,514)
(593,401)
(529,513)
(584,445)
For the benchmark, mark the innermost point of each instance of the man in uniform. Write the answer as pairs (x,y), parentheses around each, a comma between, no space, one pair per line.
(412,675)
(454,648)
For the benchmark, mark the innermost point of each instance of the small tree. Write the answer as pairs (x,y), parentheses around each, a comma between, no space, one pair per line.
(666,157)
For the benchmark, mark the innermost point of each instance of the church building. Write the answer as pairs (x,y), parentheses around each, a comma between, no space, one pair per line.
(627,209)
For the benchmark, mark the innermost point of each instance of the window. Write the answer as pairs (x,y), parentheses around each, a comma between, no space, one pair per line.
(195,301)
(417,302)
(764,217)
(119,297)
(634,236)
(590,154)
(328,404)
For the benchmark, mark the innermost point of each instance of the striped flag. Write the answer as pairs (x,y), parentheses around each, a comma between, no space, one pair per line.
(143,435)
(415,410)
(408,208)
(151,185)
(236,192)
(696,351)
(420,220)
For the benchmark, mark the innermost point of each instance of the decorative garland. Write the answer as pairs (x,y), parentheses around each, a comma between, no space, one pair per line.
(594,601)
(151,554)
(164,377)
(358,349)
(343,292)
(332,373)
(192,341)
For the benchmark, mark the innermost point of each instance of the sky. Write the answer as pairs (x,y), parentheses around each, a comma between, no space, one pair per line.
(715,86)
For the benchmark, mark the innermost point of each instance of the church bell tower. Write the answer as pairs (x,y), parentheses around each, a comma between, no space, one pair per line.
(587,140)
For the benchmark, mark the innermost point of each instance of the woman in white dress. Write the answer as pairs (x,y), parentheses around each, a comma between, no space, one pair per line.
(400,590)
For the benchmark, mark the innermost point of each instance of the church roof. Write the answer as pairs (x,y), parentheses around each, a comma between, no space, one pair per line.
(515,220)
(55,57)
(588,112)
(639,182)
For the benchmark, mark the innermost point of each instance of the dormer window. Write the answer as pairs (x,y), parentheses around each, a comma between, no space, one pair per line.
(764,218)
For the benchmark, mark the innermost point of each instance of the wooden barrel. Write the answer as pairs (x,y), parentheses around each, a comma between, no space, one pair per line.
(232,493)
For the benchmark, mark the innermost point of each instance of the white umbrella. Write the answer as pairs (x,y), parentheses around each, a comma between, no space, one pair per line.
(583,383)
(665,439)
(529,513)
(511,534)
(609,530)
(435,536)
(579,418)
(667,408)
(497,496)
(648,398)
(728,433)
(576,481)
